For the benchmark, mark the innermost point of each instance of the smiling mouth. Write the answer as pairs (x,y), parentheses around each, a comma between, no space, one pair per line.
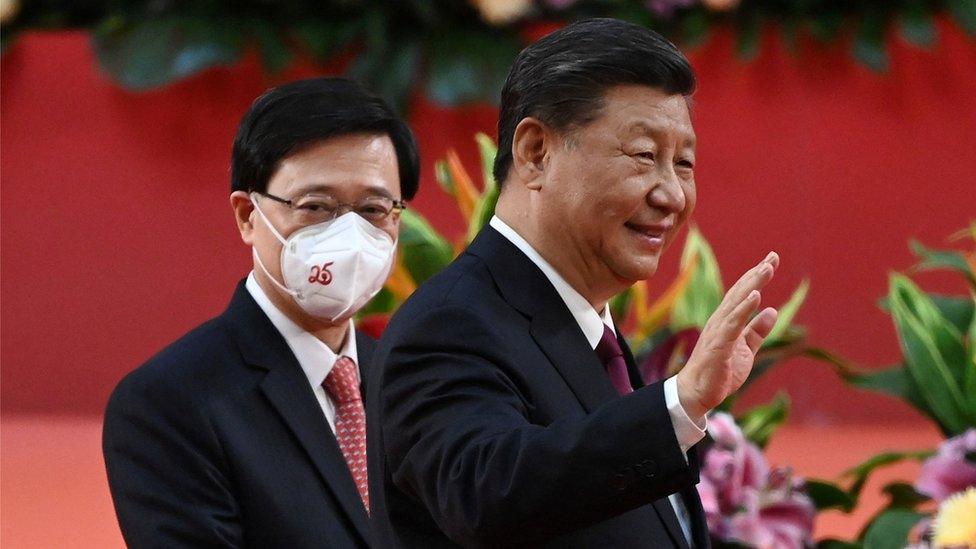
(650,235)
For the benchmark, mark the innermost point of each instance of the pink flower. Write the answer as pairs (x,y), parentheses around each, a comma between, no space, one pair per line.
(745,501)
(951,470)
(666,8)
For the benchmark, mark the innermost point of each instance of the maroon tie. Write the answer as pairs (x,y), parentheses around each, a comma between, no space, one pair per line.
(612,357)
(343,384)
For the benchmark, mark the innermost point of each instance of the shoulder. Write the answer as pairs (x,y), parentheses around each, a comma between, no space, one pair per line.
(182,373)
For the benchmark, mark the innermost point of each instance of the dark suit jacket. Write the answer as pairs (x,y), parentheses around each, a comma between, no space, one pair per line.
(493,423)
(218,441)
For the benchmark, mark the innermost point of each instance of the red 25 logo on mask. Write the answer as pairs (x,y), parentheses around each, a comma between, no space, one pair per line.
(321,275)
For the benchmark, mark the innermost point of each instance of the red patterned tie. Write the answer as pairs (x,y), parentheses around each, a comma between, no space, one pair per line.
(343,384)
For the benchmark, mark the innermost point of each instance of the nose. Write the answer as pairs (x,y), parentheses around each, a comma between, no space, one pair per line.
(667,193)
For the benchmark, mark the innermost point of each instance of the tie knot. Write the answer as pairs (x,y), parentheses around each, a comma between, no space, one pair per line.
(343,381)
(608,348)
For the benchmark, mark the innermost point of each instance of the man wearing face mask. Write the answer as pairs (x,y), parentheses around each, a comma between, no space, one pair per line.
(250,430)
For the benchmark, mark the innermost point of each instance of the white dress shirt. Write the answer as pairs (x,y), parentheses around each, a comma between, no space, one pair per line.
(687,431)
(314,356)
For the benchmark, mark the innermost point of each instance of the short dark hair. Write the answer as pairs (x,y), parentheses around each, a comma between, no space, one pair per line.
(562,78)
(294,115)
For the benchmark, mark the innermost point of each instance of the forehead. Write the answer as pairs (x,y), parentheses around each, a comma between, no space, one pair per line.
(632,110)
(346,165)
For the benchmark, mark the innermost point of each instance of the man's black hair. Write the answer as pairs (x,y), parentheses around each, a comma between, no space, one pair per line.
(561,79)
(295,115)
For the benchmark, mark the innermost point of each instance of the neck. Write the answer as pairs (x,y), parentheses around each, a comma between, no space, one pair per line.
(587,277)
(332,334)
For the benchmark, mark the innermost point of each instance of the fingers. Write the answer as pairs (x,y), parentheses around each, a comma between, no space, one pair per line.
(755,278)
(733,324)
(759,327)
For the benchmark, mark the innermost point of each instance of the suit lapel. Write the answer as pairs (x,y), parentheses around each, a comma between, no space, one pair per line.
(666,512)
(288,391)
(553,327)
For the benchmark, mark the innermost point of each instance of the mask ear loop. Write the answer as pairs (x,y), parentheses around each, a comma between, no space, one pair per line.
(257,257)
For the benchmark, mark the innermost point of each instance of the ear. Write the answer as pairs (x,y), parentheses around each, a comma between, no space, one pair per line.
(240,202)
(530,148)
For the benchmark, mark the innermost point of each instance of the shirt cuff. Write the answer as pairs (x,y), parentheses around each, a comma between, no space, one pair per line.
(687,430)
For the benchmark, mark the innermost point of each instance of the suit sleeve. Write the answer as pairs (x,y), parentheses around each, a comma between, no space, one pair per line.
(166,470)
(458,438)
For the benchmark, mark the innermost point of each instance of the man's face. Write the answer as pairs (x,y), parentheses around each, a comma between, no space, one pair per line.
(620,187)
(349,168)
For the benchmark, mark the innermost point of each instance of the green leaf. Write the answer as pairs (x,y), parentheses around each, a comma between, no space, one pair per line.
(694,27)
(786,313)
(826,495)
(825,25)
(934,354)
(863,471)
(965,13)
(619,304)
(917,26)
(704,292)
(869,47)
(749,31)
(957,310)
(325,38)
(932,260)
(890,529)
(467,65)
(903,495)
(150,53)
(383,302)
(425,252)
(759,423)
(485,208)
(275,55)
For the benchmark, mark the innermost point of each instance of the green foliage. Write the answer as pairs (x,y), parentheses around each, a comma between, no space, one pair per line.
(759,423)
(424,251)
(935,357)
(890,529)
(704,292)
(485,208)
(446,49)
(826,495)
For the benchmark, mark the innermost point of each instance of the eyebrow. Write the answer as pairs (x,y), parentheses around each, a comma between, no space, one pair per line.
(689,139)
(322,188)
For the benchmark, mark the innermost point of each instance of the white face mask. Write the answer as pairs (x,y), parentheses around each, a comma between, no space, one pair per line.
(334,268)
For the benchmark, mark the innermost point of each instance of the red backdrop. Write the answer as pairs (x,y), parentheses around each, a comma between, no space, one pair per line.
(117,236)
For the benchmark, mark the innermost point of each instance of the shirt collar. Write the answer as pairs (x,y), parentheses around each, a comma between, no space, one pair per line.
(314,356)
(589,320)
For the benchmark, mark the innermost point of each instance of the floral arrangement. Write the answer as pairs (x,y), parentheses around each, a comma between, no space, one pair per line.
(937,376)
(453,52)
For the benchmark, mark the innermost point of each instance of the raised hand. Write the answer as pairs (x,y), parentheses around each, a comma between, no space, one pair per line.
(727,346)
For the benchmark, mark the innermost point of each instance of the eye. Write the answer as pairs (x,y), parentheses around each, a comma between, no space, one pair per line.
(686,164)
(647,155)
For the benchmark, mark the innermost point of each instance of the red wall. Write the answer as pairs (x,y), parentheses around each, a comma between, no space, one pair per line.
(117,236)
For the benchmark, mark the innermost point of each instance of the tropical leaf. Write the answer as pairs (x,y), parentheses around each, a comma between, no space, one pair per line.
(424,251)
(651,318)
(890,529)
(861,472)
(786,313)
(903,495)
(150,53)
(485,207)
(759,423)
(400,283)
(942,259)
(827,495)
(934,354)
(705,290)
